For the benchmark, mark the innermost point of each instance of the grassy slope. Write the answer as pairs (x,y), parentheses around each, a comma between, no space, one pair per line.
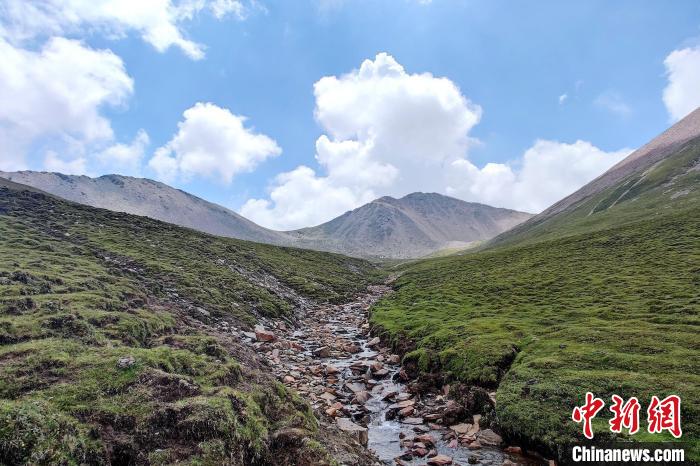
(607,302)
(81,288)
(640,196)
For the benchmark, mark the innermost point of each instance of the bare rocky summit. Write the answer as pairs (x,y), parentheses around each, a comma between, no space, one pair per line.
(414,226)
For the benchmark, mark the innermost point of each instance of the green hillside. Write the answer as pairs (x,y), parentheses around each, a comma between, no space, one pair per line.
(607,302)
(670,184)
(82,288)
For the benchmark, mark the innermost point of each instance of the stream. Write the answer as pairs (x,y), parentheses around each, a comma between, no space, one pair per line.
(348,376)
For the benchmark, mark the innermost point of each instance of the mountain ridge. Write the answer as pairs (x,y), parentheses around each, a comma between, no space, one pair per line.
(412,226)
(662,173)
(131,195)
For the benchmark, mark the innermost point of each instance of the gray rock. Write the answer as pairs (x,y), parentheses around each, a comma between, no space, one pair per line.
(126,362)
(358,432)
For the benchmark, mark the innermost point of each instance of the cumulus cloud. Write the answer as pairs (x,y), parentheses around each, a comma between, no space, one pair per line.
(212,143)
(76,166)
(125,158)
(682,94)
(547,172)
(57,93)
(385,128)
(159,22)
(389,132)
(300,198)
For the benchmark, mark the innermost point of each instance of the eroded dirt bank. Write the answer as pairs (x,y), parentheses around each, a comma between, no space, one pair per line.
(358,389)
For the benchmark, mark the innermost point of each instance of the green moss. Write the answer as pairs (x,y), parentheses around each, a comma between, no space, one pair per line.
(611,311)
(82,288)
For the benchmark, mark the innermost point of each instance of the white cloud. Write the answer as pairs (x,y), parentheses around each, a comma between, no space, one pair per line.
(682,94)
(301,198)
(53,163)
(158,22)
(57,93)
(221,8)
(125,158)
(562,98)
(385,129)
(613,102)
(547,172)
(212,143)
(389,132)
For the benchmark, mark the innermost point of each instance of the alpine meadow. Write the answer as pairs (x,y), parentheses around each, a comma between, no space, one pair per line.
(334,233)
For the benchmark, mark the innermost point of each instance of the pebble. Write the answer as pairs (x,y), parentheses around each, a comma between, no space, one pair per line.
(332,365)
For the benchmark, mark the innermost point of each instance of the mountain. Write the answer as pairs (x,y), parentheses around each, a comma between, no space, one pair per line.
(663,174)
(140,196)
(410,227)
(123,340)
(599,293)
(413,226)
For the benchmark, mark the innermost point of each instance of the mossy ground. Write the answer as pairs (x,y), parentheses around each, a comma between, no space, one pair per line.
(612,311)
(81,288)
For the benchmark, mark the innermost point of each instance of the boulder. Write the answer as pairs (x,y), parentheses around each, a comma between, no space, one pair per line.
(264,335)
(322,352)
(489,437)
(427,439)
(440,460)
(125,362)
(361,397)
(418,451)
(461,428)
(358,432)
(352,348)
(356,387)
(413,421)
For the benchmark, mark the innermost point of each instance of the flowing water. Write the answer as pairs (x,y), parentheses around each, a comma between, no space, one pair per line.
(345,372)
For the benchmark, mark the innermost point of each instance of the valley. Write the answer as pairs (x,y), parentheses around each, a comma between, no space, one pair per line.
(111,350)
(128,340)
(353,380)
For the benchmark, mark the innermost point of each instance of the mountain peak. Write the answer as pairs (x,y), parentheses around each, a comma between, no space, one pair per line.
(414,225)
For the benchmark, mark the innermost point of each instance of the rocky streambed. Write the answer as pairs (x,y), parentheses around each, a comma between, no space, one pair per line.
(353,381)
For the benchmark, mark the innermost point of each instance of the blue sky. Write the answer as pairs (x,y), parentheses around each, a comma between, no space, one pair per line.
(513,60)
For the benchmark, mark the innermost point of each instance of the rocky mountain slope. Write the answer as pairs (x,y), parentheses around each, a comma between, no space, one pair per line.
(413,226)
(148,198)
(123,340)
(664,174)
